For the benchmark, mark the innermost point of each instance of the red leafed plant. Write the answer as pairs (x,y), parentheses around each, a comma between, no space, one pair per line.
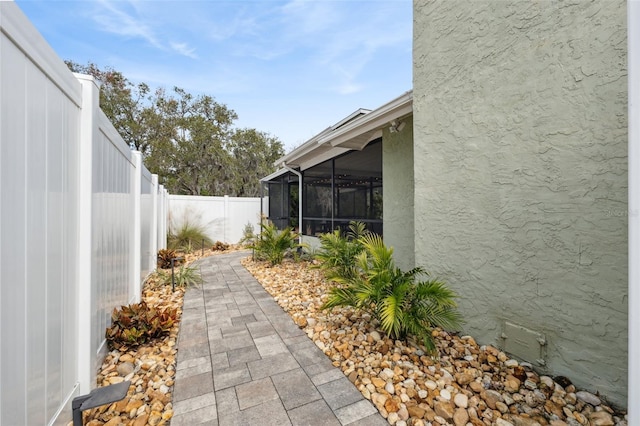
(138,323)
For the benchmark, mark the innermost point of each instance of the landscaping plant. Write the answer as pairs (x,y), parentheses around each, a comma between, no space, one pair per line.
(219,246)
(184,276)
(273,245)
(401,304)
(248,236)
(164,258)
(337,253)
(138,323)
(187,236)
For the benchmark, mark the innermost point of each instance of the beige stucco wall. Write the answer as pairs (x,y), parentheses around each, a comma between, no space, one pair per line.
(520,113)
(397,198)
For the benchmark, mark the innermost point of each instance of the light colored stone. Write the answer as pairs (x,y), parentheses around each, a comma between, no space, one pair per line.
(378,382)
(491,397)
(445,395)
(125,368)
(389,388)
(460,417)
(502,407)
(548,382)
(589,398)
(403,413)
(461,400)
(476,387)
(601,418)
(464,378)
(511,384)
(416,411)
(141,420)
(510,363)
(444,409)
(115,421)
(386,374)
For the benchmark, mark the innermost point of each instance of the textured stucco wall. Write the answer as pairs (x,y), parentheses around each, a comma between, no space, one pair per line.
(521,173)
(397,197)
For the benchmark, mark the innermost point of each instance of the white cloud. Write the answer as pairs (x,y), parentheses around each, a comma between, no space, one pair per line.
(117,21)
(183,49)
(124,18)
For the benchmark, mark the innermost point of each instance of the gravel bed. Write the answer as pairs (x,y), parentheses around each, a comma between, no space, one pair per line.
(463,384)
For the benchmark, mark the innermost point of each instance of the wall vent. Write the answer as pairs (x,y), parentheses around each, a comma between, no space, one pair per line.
(525,344)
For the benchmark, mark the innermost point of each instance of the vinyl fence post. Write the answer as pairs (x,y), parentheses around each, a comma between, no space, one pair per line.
(86,286)
(136,252)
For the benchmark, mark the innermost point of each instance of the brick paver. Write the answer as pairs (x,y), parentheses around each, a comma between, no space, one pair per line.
(243,361)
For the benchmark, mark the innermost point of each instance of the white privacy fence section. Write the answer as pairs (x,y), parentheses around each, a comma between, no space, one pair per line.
(222,218)
(80,222)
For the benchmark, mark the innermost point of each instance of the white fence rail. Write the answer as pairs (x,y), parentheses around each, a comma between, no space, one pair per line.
(81,220)
(223,218)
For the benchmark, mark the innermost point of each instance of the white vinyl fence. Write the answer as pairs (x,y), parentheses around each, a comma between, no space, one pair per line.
(81,220)
(223,218)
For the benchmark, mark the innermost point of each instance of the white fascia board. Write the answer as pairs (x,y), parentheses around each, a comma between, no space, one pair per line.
(303,149)
(319,158)
(311,145)
(353,132)
(371,122)
(274,175)
(350,117)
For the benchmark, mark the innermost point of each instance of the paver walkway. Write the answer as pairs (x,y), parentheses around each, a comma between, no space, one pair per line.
(243,361)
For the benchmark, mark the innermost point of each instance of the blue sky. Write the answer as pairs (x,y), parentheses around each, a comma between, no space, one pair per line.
(289,68)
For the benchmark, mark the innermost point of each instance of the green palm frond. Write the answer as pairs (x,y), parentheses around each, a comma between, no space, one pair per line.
(339,296)
(369,280)
(357,230)
(337,254)
(273,244)
(436,291)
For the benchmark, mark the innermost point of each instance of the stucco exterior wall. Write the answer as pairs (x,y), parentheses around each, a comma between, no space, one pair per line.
(520,113)
(397,198)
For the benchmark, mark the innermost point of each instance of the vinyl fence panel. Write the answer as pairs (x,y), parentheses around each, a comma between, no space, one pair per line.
(39,139)
(78,227)
(223,218)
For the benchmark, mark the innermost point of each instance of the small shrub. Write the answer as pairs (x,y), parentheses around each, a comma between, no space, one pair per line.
(220,246)
(184,276)
(337,253)
(188,236)
(401,305)
(248,235)
(274,245)
(138,323)
(164,258)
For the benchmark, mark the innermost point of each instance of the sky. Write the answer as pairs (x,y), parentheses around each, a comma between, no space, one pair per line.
(288,68)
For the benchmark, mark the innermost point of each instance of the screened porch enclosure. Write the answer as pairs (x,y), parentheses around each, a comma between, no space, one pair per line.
(282,193)
(335,192)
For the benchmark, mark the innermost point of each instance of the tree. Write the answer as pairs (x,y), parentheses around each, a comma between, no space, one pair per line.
(254,154)
(189,141)
(189,150)
(124,103)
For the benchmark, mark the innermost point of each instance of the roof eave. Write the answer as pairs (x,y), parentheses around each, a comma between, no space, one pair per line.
(357,134)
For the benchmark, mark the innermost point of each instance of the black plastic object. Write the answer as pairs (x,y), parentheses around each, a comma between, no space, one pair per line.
(97,397)
(173,277)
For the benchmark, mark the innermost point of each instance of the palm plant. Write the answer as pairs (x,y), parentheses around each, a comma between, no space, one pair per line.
(272,244)
(337,252)
(401,305)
